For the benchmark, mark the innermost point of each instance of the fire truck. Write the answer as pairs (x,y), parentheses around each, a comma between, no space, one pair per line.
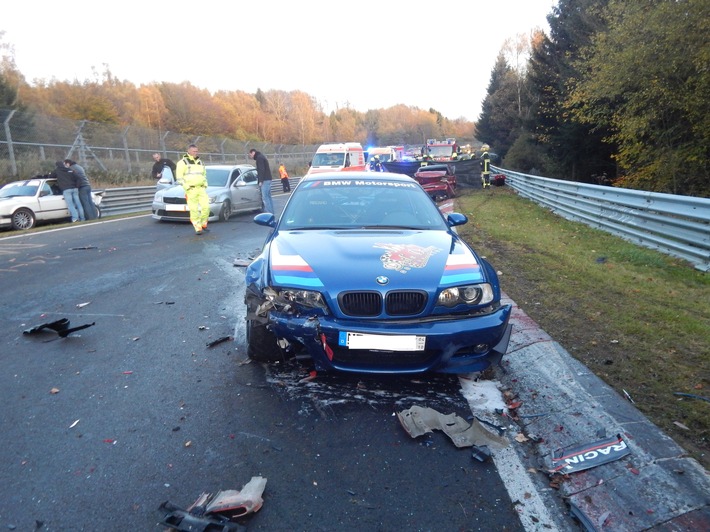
(441,150)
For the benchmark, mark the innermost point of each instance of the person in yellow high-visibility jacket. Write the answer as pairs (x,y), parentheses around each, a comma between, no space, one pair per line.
(192,175)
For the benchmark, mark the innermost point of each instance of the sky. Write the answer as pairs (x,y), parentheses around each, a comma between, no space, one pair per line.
(363,55)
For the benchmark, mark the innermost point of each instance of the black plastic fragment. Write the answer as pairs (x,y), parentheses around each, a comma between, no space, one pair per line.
(61,327)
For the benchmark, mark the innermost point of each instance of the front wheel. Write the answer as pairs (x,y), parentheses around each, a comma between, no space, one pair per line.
(226,211)
(261,343)
(23,219)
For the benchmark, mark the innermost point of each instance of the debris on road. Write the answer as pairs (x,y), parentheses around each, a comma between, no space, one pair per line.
(216,512)
(219,341)
(588,455)
(421,420)
(61,327)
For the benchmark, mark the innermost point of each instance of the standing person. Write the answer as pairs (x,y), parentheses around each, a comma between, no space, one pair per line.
(87,202)
(485,167)
(264,172)
(161,163)
(68,183)
(192,175)
(283,174)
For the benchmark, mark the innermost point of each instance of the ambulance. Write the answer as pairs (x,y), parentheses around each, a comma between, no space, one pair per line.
(343,156)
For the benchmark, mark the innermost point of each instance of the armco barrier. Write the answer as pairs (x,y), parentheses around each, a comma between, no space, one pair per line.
(672,224)
(128,200)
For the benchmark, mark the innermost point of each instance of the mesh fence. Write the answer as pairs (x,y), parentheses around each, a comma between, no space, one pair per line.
(30,144)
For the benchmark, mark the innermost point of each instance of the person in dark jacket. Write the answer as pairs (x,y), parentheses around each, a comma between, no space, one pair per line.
(159,164)
(87,202)
(68,183)
(263,171)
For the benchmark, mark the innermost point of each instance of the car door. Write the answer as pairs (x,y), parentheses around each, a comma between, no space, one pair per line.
(245,191)
(51,202)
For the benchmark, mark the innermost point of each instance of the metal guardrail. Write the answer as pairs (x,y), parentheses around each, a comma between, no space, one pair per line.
(675,225)
(127,200)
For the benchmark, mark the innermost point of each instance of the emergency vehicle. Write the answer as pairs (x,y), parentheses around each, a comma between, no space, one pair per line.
(441,150)
(343,156)
(384,155)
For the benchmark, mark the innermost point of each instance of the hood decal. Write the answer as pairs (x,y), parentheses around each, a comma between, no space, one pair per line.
(461,268)
(292,270)
(404,257)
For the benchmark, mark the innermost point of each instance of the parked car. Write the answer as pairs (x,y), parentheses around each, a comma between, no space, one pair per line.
(232,189)
(25,203)
(363,273)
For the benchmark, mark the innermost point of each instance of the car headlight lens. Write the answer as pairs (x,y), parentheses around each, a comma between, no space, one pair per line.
(305,298)
(213,199)
(472,294)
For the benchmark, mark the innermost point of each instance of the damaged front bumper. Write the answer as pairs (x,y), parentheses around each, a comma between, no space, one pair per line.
(451,344)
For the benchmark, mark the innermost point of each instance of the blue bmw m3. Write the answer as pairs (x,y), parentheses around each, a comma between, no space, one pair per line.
(364,273)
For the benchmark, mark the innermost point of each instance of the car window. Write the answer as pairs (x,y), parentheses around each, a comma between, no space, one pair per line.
(250,176)
(235,176)
(357,204)
(217,177)
(25,188)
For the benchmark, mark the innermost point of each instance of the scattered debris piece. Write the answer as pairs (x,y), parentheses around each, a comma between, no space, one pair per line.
(588,455)
(54,391)
(219,341)
(626,394)
(82,305)
(203,328)
(220,509)
(680,425)
(61,327)
(82,248)
(521,438)
(420,420)
(481,453)
(692,396)
(74,424)
(242,263)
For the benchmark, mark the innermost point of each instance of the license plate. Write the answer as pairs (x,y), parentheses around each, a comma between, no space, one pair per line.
(178,208)
(407,342)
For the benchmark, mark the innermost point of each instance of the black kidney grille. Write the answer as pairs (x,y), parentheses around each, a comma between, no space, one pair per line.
(361,303)
(398,303)
(405,303)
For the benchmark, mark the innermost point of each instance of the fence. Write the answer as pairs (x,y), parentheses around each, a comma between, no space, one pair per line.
(675,225)
(31,143)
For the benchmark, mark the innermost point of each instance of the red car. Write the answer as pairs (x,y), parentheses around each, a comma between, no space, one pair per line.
(439,181)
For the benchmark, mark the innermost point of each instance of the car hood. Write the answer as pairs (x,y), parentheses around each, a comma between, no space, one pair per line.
(372,260)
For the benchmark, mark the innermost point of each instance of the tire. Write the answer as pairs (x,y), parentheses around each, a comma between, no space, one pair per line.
(226,211)
(261,344)
(98,211)
(23,219)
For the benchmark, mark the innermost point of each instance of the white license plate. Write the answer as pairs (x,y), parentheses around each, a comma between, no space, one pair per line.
(178,208)
(408,342)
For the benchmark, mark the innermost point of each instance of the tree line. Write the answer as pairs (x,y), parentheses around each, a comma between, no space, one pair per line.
(617,92)
(275,116)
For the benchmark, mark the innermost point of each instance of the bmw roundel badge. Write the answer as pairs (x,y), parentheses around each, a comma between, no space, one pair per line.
(381,279)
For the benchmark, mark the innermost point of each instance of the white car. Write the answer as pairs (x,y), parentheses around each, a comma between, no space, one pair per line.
(24,203)
(232,189)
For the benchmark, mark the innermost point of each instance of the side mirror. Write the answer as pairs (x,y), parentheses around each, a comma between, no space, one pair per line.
(266,219)
(456,218)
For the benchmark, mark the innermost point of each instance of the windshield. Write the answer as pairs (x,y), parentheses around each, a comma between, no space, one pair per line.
(24,188)
(329,159)
(440,151)
(353,204)
(217,177)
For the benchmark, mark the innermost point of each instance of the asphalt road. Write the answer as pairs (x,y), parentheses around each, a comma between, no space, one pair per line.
(101,427)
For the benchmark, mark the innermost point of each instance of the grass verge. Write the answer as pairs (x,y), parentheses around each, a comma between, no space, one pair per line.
(638,319)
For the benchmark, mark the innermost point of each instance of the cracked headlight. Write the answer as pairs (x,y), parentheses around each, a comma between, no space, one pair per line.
(305,298)
(472,294)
